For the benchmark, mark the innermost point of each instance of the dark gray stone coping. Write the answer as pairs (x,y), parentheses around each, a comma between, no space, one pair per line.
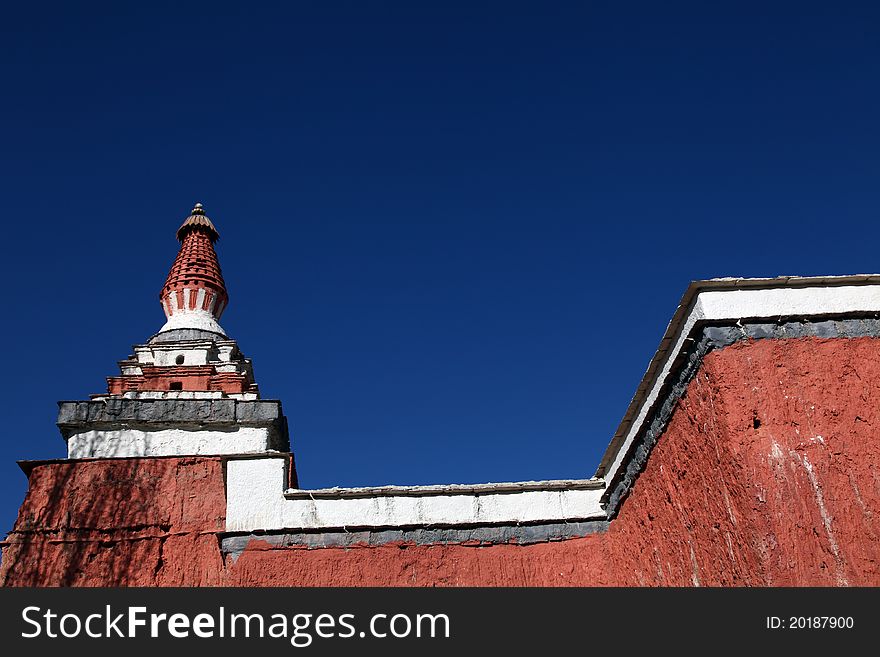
(187,335)
(168,411)
(446,489)
(480,536)
(219,414)
(702,340)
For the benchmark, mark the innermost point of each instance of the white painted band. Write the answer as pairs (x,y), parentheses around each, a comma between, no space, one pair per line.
(192,319)
(129,442)
(256,501)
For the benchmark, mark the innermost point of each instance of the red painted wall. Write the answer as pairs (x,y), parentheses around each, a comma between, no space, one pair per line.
(768,473)
(137,522)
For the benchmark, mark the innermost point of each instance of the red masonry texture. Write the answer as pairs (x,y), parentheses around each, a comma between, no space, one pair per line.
(133,522)
(190,378)
(767,474)
(195,267)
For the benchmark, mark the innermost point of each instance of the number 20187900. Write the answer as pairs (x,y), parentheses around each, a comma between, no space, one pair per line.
(810,623)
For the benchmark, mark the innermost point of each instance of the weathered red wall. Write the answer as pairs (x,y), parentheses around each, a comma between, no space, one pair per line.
(137,522)
(766,474)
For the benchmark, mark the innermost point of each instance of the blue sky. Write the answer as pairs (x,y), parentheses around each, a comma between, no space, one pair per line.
(452,233)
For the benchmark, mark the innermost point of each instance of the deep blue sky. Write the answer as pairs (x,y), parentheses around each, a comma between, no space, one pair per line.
(452,233)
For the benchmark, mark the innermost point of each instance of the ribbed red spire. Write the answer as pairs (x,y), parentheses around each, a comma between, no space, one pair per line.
(194,295)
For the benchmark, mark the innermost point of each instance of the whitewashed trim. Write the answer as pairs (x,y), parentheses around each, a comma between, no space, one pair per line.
(131,442)
(447,489)
(192,319)
(256,500)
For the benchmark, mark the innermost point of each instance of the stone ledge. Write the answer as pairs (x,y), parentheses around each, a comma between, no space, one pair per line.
(110,412)
(121,427)
(477,536)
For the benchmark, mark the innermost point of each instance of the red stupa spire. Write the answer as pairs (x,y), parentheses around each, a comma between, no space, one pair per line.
(190,357)
(194,295)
